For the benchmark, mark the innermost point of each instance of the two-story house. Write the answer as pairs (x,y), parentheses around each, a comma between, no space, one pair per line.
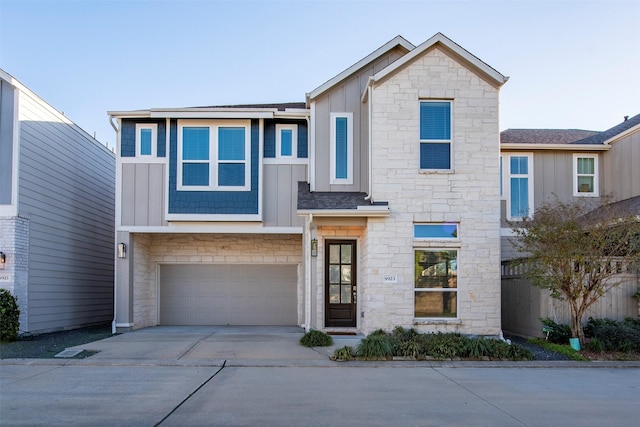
(375,203)
(56,214)
(541,165)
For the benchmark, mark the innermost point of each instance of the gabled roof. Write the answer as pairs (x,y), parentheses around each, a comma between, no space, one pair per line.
(282,106)
(397,41)
(481,68)
(611,134)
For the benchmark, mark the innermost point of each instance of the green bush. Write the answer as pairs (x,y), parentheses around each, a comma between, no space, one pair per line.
(558,334)
(375,346)
(614,336)
(343,354)
(446,346)
(9,316)
(478,347)
(315,338)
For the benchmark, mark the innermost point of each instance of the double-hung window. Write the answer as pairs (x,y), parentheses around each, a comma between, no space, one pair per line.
(435,270)
(214,156)
(585,175)
(517,186)
(146,139)
(286,141)
(341,148)
(435,135)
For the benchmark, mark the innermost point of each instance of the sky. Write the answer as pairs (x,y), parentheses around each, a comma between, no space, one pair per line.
(572,64)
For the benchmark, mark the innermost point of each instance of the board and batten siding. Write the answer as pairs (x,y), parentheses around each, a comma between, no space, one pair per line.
(66,189)
(143,194)
(6,142)
(281,194)
(622,174)
(347,97)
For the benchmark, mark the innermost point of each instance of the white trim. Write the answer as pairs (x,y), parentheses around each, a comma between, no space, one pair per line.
(332,138)
(260,168)
(437,141)
(210,228)
(318,213)
(440,38)
(12,208)
(503,181)
(154,140)
(437,248)
(204,114)
(391,44)
(312,148)
(596,175)
(213,161)
(529,176)
(294,141)
(285,161)
(437,239)
(623,134)
(556,147)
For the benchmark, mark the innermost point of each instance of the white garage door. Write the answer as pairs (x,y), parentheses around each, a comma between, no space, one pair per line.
(196,294)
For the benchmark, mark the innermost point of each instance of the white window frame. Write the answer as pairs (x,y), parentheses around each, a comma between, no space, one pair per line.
(154,139)
(349,179)
(213,155)
(446,239)
(437,141)
(294,141)
(507,175)
(595,192)
(440,290)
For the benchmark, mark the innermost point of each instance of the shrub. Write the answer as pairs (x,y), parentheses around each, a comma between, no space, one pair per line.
(343,354)
(315,338)
(595,345)
(558,334)
(375,346)
(478,347)
(9,316)
(446,346)
(615,336)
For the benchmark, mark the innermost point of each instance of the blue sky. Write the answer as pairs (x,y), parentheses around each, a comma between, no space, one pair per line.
(572,64)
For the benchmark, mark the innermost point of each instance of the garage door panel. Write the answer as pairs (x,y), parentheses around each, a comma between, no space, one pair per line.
(196,294)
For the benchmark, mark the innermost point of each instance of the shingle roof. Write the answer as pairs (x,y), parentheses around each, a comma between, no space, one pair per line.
(338,200)
(544,136)
(565,136)
(280,106)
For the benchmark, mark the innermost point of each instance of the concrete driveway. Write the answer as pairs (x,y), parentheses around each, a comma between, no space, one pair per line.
(213,345)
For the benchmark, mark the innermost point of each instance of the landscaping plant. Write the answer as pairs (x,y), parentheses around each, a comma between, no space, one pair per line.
(9,316)
(315,338)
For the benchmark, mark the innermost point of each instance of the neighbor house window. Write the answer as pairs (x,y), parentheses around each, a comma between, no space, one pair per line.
(585,175)
(435,135)
(341,148)
(518,185)
(286,141)
(146,139)
(436,283)
(214,156)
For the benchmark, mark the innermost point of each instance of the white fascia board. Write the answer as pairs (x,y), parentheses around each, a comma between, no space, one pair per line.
(481,66)
(396,41)
(346,212)
(134,114)
(208,228)
(624,134)
(288,114)
(203,114)
(555,147)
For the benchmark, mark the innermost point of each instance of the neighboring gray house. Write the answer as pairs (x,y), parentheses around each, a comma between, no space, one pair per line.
(373,204)
(541,164)
(56,214)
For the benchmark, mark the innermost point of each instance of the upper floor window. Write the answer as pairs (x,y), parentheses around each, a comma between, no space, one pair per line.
(585,175)
(440,230)
(286,141)
(435,135)
(341,148)
(518,185)
(214,156)
(146,139)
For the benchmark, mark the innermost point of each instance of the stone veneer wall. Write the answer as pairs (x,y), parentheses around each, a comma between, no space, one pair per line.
(14,243)
(153,249)
(468,195)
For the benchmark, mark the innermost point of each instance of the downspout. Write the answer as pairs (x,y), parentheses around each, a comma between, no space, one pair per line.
(307,274)
(370,142)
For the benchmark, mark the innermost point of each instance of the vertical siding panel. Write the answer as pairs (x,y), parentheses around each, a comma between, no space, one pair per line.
(141,199)
(270,211)
(299,173)
(284,185)
(128,194)
(156,194)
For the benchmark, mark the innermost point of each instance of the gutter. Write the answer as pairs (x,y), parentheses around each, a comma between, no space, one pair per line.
(563,147)
(370,138)
(307,273)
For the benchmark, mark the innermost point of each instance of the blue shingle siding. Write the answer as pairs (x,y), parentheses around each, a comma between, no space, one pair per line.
(270,137)
(213,202)
(128,137)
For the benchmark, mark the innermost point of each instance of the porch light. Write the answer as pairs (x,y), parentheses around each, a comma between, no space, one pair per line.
(314,247)
(122,250)
(3,260)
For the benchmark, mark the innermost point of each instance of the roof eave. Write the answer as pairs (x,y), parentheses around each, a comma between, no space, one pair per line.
(556,147)
(362,211)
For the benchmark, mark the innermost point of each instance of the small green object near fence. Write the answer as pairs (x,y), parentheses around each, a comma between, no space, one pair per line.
(574,343)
